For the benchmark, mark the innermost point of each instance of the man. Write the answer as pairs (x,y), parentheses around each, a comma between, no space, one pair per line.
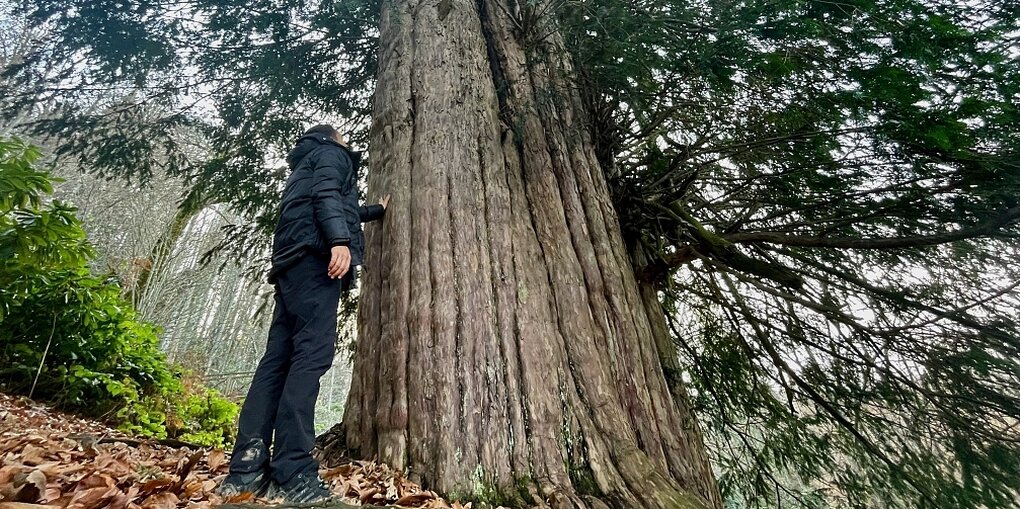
(316,245)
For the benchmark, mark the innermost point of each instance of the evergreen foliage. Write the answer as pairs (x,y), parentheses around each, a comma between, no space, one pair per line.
(824,193)
(69,337)
(830,192)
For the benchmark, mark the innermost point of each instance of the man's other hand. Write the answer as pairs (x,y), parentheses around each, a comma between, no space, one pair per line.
(339,261)
(385,202)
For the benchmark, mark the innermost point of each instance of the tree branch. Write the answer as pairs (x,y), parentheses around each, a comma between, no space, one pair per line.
(711,245)
(985,229)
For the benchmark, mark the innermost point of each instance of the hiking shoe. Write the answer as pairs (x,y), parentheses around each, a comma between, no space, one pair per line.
(257,483)
(303,489)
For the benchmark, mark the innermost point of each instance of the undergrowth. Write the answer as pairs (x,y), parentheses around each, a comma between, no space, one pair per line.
(68,336)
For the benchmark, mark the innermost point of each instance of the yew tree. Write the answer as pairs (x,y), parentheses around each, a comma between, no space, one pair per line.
(504,349)
(793,222)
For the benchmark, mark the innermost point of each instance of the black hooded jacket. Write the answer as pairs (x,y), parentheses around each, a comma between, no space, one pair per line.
(320,208)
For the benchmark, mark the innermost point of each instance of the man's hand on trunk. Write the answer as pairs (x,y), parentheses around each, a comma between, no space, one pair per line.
(339,261)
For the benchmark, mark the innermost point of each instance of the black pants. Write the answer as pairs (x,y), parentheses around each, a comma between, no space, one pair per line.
(279,412)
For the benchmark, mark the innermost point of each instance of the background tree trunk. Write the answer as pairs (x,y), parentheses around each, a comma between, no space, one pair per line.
(505,352)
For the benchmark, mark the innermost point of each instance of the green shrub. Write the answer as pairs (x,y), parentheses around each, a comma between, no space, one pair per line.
(96,356)
(183,409)
(203,416)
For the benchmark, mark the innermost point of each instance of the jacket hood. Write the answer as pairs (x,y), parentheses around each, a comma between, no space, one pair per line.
(310,142)
(305,144)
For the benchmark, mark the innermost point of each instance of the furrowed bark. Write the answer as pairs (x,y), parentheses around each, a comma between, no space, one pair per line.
(505,351)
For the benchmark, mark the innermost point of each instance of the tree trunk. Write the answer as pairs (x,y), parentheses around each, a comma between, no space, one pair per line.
(505,353)
(161,251)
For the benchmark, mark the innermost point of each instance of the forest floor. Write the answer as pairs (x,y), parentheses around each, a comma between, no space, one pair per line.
(51,460)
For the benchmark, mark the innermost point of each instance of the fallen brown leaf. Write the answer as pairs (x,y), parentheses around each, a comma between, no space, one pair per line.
(165,500)
(191,489)
(147,475)
(32,455)
(91,498)
(7,473)
(155,485)
(22,505)
(185,469)
(119,501)
(97,481)
(241,497)
(29,487)
(414,499)
(217,458)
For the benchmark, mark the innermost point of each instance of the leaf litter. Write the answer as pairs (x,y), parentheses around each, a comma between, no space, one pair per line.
(51,460)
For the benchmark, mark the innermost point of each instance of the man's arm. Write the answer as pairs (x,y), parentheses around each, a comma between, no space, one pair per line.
(331,171)
(371,213)
(374,212)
